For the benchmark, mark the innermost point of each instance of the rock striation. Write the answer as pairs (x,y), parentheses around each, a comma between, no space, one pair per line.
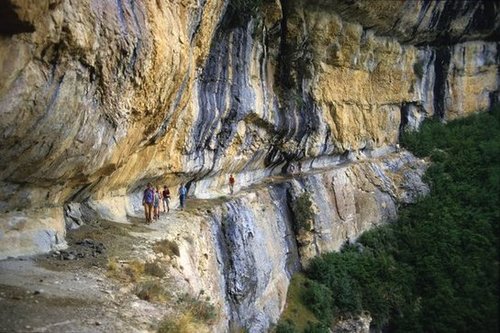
(97,98)
(242,251)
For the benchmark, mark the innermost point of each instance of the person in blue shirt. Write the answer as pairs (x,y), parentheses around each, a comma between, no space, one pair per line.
(182,195)
(147,201)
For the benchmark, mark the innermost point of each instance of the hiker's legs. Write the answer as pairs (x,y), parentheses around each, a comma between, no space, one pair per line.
(146,212)
(150,213)
(168,204)
(181,200)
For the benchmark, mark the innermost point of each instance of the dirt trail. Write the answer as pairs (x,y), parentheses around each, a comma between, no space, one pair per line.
(47,293)
(74,291)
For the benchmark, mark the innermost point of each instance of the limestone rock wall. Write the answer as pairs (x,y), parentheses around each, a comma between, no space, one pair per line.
(92,91)
(243,251)
(444,22)
(99,97)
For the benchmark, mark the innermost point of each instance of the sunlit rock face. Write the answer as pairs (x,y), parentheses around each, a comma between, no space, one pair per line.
(99,97)
(444,22)
(86,100)
(243,251)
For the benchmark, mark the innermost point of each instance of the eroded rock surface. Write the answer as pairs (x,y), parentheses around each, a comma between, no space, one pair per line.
(97,98)
(103,96)
(239,251)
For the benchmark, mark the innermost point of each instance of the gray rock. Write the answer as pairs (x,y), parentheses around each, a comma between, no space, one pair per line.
(73,216)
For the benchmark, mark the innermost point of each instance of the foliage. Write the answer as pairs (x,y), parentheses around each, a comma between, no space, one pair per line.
(286,326)
(151,290)
(168,325)
(303,212)
(319,300)
(184,323)
(194,315)
(134,270)
(436,269)
(129,272)
(317,328)
(199,308)
(154,269)
(296,310)
(429,136)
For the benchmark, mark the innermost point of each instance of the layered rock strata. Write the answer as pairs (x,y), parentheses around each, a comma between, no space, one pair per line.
(99,97)
(242,251)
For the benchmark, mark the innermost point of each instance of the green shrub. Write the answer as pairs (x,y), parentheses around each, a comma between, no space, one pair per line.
(436,269)
(296,309)
(151,291)
(200,308)
(193,314)
(303,213)
(317,328)
(319,300)
(286,326)
(421,143)
(183,323)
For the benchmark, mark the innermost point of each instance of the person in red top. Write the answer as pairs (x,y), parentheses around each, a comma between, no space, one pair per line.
(231,183)
(166,199)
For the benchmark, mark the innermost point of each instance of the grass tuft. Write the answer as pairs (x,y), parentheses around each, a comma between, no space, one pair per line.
(154,269)
(167,247)
(151,291)
(303,213)
(296,315)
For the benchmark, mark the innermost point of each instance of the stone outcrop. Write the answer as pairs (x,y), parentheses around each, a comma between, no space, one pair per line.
(104,96)
(445,22)
(242,251)
(97,98)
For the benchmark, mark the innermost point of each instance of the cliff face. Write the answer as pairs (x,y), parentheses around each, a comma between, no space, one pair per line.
(243,250)
(99,97)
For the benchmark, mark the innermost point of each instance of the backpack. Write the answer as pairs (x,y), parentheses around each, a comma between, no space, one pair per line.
(149,196)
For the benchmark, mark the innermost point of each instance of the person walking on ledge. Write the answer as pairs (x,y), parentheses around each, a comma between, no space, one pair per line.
(231,183)
(166,199)
(156,203)
(182,196)
(147,201)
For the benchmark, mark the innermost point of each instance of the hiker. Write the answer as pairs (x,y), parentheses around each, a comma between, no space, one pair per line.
(156,203)
(166,199)
(147,201)
(231,183)
(182,195)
